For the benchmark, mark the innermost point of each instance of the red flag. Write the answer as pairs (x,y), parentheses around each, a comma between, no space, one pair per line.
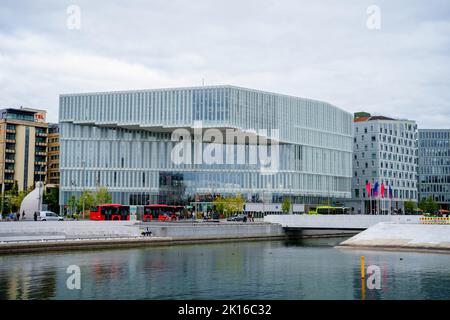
(368,189)
(382,190)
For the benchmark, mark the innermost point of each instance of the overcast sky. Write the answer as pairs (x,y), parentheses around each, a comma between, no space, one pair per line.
(323,51)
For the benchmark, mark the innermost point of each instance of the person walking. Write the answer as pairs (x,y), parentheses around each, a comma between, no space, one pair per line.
(35,216)
(18,216)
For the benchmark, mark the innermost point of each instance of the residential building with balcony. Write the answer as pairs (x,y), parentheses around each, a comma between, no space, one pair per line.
(23,147)
(53,156)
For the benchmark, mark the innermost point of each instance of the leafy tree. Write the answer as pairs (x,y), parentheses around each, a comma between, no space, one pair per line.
(219,204)
(239,202)
(286,205)
(88,199)
(51,198)
(16,200)
(101,196)
(410,207)
(428,205)
(72,204)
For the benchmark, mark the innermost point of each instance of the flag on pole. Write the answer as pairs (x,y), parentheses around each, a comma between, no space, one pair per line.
(390,192)
(375,189)
(368,189)
(382,190)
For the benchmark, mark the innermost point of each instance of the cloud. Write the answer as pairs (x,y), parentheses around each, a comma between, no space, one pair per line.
(315,50)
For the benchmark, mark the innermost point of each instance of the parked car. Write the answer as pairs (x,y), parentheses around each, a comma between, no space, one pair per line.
(49,216)
(238,217)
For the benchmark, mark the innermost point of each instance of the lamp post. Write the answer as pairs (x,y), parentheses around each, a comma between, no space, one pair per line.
(84,182)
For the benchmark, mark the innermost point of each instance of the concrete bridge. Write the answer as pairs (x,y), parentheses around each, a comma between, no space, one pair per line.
(335,224)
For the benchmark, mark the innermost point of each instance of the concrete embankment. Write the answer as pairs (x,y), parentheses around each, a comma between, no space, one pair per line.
(415,237)
(21,237)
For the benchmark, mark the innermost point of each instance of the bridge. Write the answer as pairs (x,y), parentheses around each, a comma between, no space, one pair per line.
(306,224)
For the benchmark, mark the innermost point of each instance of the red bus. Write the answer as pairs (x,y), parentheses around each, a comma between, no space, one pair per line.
(110,211)
(162,212)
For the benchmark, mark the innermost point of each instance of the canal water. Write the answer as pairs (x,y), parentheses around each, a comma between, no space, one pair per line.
(307,269)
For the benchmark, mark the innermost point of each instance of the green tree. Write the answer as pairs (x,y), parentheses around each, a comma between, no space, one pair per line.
(101,196)
(16,200)
(219,204)
(286,205)
(51,198)
(239,201)
(87,199)
(410,207)
(72,204)
(428,205)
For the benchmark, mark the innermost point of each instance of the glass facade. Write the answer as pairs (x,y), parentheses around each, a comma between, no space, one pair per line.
(434,165)
(123,140)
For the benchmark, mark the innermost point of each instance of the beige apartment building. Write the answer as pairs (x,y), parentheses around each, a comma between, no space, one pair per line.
(23,147)
(53,156)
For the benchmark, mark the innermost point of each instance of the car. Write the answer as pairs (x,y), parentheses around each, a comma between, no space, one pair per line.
(49,216)
(238,217)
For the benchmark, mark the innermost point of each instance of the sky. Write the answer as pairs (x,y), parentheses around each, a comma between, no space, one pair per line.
(392,59)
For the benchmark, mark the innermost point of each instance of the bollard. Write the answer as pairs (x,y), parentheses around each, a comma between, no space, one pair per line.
(362,268)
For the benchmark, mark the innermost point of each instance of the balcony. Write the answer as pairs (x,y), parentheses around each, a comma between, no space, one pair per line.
(10,151)
(9,170)
(10,160)
(44,144)
(41,153)
(41,134)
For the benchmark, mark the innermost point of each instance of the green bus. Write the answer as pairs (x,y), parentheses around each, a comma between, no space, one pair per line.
(329,210)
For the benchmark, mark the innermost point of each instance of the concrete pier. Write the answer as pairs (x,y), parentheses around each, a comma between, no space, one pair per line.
(386,235)
(31,236)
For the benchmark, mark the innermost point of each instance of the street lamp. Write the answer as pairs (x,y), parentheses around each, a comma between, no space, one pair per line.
(84,182)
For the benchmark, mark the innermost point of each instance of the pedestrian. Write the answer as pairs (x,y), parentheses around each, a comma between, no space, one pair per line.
(35,216)
(18,216)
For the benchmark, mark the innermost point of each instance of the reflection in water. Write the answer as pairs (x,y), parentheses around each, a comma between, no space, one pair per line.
(306,269)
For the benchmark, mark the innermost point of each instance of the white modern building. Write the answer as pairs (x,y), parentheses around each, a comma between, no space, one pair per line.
(385,152)
(127,141)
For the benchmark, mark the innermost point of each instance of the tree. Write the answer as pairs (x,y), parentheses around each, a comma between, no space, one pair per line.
(72,204)
(428,205)
(219,204)
(410,207)
(286,205)
(16,200)
(87,199)
(239,202)
(101,196)
(51,198)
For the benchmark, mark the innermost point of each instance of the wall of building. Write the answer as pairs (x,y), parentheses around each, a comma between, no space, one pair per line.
(122,140)
(385,151)
(434,165)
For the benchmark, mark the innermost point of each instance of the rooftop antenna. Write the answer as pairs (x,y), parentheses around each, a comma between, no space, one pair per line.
(203,81)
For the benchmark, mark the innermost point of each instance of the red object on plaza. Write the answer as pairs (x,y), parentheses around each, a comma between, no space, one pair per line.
(161,212)
(111,211)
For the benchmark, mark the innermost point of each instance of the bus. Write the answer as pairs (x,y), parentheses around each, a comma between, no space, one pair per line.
(111,211)
(162,212)
(329,210)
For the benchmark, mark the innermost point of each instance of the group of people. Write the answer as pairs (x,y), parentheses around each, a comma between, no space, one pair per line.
(15,216)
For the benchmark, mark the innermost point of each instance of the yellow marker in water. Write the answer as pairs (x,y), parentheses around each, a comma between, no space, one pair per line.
(362,268)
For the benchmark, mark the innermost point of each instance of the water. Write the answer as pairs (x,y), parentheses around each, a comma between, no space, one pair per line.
(308,269)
